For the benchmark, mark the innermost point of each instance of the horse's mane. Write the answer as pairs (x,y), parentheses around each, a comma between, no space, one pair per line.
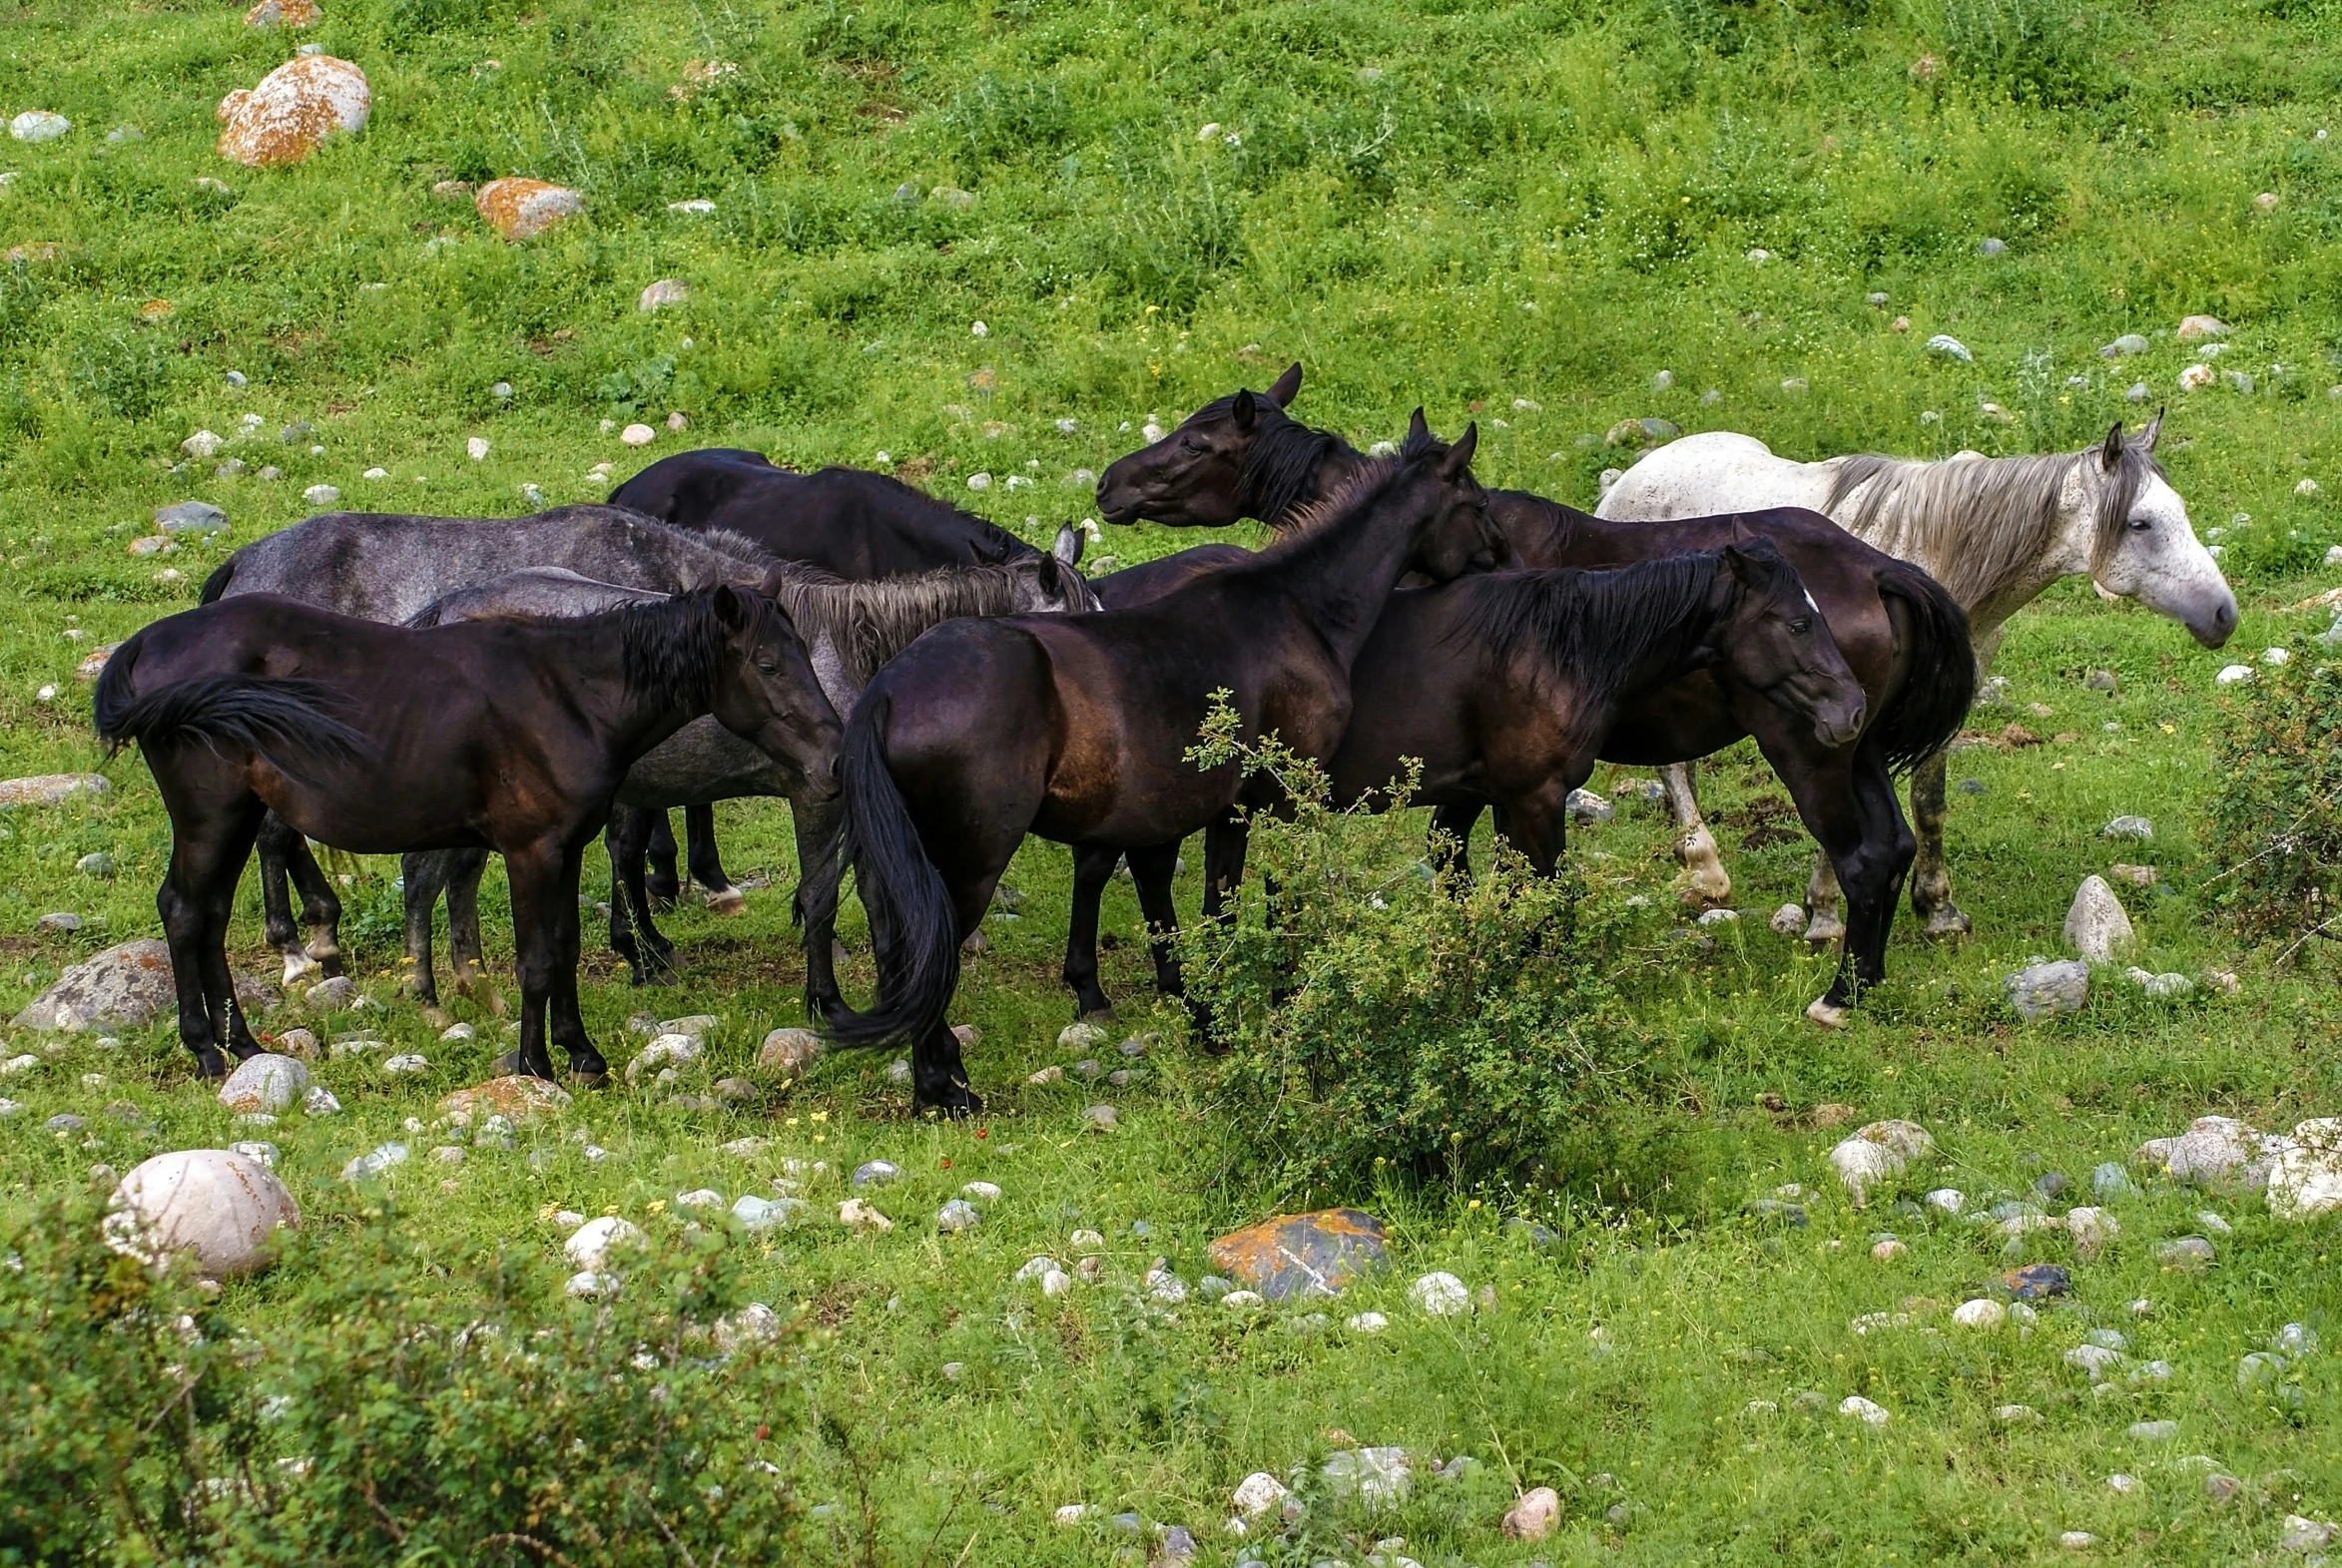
(1593,627)
(869,623)
(668,646)
(1281,460)
(1976,523)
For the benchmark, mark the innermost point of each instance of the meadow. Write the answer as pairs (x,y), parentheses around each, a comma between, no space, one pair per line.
(1003,241)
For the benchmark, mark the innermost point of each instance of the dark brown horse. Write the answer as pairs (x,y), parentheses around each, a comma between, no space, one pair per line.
(375,738)
(1075,727)
(850,522)
(1905,638)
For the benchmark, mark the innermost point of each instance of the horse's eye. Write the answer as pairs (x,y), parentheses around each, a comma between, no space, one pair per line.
(766,667)
(1801,626)
(2140,525)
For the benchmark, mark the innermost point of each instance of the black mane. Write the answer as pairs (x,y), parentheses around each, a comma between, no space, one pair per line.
(1596,625)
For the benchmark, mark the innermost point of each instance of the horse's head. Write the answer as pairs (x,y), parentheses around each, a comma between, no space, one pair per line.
(1454,534)
(1771,637)
(2140,543)
(766,693)
(1194,476)
(1050,584)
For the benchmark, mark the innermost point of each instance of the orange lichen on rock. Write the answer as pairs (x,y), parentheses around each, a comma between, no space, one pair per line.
(521,209)
(293,111)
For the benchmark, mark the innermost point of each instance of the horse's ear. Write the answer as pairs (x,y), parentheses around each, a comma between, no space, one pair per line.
(1067,550)
(1244,413)
(2111,455)
(2146,437)
(731,610)
(1045,573)
(1418,428)
(1457,464)
(1282,390)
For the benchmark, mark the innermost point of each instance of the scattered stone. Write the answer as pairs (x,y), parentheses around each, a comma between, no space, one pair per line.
(857,1215)
(2037,1281)
(321,495)
(521,209)
(1257,1493)
(1080,1037)
(1583,805)
(877,1173)
(1376,1476)
(293,111)
(2078,1540)
(2305,1180)
(765,1214)
(1980,1313)
(2095,924)
(2186,1255)
(2222,1153)
(1315,1254)
(1862,1409)
(1533,1517)
(2047,989)
(638,435)
(2307,1535)
(283,13)
(376,1161)
(2015,1415)
(1877,1153)
(517,1097)
(264,1083)
(448,1154)
(406,1063)
(1789,920)
(1099,1118)
(2153,1432)
(2128,343)
(1440,1293)
(2194,327)
(38,124)
(665,1050)
(1047,1075)
(596,1243)
(1950,347)
(1718,917)
(1949,1200)
(60,922)
(2092,1229)
(788,1051)
(220,1205)
(957,1215)
(334,995)
(666,291)
(320,1101)
(129,984)
(2222,1488)
(1887,1248)
(899,1070)
(1992,246)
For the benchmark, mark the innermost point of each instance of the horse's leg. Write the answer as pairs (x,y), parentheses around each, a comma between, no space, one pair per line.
(1225,842)
(1452,827)
(1704,879)
(276,900)
(465,954)
(1930,880)
(1093,868)
(537,875)
(321,906)
(817,824)
(1823,925)
(1151,871)
(423,874)
(208,852)
(632,931)
(567,1025)
(707,867)
(666,884)
(1861,826)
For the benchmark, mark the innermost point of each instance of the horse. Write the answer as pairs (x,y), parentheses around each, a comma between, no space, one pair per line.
(1244,456)
(847,521)
(1996,531)
(1074,728)
(388,567)
(378,739)
(850,629)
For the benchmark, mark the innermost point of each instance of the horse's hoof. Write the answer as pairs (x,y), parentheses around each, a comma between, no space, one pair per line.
(1827,1013)
(596,1079)
(1946,924)
(1103,1013)
(298,967)
(436,1016)
(957,1099)
(1824,931)
(210,1066)
(975,944)
(730,902)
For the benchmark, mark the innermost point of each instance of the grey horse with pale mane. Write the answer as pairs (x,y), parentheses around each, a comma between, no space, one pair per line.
(1995,532)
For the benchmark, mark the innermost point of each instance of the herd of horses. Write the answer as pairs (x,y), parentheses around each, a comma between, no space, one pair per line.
(927,689)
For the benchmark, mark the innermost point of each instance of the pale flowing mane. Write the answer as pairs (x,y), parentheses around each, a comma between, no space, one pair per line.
(869,623)
(1976,524)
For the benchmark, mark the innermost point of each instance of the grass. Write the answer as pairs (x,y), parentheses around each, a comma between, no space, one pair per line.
(1517,212)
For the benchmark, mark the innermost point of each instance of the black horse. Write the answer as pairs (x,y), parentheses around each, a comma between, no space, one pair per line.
(379,740)
(1075,727)
(850,522)
(1902,635)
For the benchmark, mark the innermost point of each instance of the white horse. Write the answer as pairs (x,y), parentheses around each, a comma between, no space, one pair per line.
(1996,531)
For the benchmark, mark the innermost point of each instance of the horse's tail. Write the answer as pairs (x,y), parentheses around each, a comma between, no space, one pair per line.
(215,585)
(285,722)
(914,927)
(1924,714)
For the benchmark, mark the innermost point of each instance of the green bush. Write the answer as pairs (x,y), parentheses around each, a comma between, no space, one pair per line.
(1385,1021)
(402,1411)
(2276,808)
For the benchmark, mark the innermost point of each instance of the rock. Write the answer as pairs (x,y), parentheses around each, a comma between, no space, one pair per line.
(1992,246)
(1950,347)
(981,1191)
(765,1214)
(1081,1037)
(2047,989)
(1315,1254)
(1036,1268)
(2152,1431)
(448,1154)
(1864,1410)
(406,1063)
(1100,1117)
(1718,917)
(1257,1493)
(1440,1293)
(52,789)
(2222,1153)
(2306,1179)
(1584,806)
(38,124)
(699,1197)
(1948,1200)
(598,1242)
(264,1083)
(60,922)
(283,13)
(859,1216)
(335,996)
(1887,1248)
(1375,1476)
(2076,1540)
(587,1285)
(665,1050)
(1981,1312)
(755,1324)
(2095,925)
(2092,1229)
(2307,1535)
(376,1161)
(2037,1281)
(877,1173)
(521,209)
(218,1204)
(2015,1415)
(1047,1075)
(788,1051)
(2094,1362)
(666,291)
(202,446)
(957,1215)
(293,111)
(2127,344)
(191,517)
(320,1101)
(2185,1255)
(130,984)
(638,435)
(1878,1152)
(1789,920)
(2137,828)
(2194,328)
(1533,1517)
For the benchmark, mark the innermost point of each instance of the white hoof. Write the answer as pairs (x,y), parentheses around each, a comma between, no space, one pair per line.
(730,902)
(1705,882)
(1826,1015)
(1946,923)
(1824,929)
(298,967)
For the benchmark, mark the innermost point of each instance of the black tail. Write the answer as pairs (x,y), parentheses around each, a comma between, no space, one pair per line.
(1923,715)
(286,722)
(913,925)
(215,585)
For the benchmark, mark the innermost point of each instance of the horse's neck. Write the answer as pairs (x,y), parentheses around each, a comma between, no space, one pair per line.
(593,666)
(1341,463)
(1342,574)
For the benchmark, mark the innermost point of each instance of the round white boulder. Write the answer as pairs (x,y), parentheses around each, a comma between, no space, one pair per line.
(219,1206)
(591,1247)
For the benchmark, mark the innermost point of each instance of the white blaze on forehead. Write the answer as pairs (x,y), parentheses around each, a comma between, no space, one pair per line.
(1809,602)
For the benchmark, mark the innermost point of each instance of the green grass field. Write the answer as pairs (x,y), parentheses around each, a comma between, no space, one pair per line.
(992,240)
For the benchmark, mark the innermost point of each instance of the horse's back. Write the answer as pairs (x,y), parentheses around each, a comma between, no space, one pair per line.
(1711,472)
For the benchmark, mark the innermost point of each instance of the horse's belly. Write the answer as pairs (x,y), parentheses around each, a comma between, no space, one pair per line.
(698,764)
